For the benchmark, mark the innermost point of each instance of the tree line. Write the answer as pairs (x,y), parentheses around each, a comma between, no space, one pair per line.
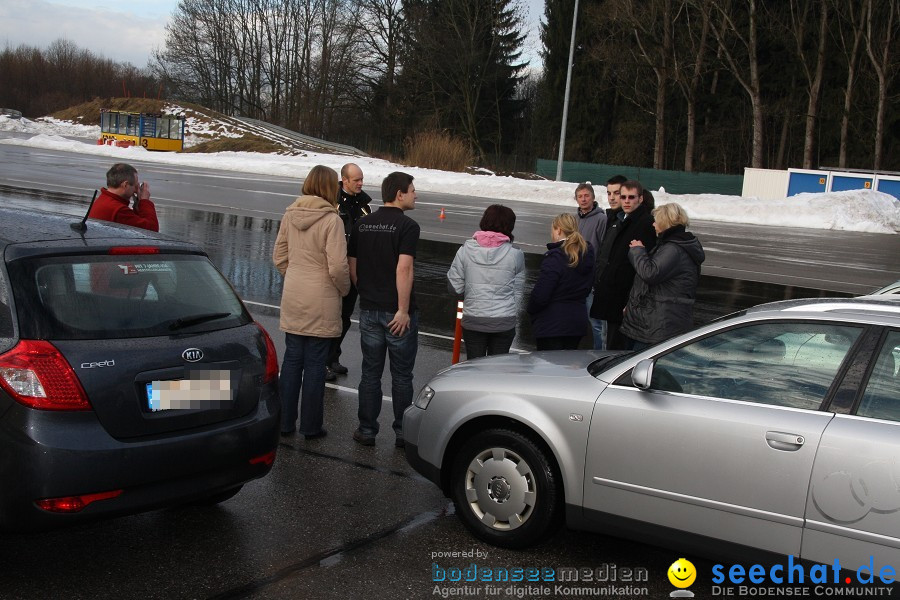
(716,85)
(369,72)
(39,81)
(694,85)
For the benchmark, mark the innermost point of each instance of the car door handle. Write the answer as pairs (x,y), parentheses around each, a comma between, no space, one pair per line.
(788,442)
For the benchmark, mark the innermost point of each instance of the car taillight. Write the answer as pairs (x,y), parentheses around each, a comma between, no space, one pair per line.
(271,357)
(264,459)
(35,374)
(73,504)
(120,250)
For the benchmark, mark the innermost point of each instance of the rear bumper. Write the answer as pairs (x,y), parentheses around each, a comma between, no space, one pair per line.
(54,454)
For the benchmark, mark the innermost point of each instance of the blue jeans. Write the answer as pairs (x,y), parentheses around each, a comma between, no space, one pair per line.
(377,340)
(303,366)
(598,326)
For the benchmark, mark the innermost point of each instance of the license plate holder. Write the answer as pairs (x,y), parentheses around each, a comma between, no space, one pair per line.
(198,390)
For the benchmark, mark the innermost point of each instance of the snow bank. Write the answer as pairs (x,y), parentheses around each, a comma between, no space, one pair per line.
(858,210)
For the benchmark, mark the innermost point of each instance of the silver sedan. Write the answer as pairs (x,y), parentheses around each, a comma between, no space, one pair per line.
(777,428)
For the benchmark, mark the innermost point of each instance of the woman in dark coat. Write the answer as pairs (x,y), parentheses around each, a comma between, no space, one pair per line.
(661,303)
(557,304)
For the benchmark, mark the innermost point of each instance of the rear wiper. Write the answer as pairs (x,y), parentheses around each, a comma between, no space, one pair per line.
(196,319)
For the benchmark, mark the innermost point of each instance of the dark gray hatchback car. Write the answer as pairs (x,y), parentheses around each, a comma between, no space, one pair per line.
(132,377)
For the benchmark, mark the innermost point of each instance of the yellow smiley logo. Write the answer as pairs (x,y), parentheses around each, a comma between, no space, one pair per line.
(682,573)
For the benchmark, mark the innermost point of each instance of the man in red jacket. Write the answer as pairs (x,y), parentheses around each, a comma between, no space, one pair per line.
(112,203)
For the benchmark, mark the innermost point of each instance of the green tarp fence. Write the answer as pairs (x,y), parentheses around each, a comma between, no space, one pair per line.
(674,182)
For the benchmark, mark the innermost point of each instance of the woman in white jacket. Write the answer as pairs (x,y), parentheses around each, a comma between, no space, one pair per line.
(490,274)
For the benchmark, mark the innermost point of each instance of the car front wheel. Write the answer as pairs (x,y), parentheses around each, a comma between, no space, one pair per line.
(506,489)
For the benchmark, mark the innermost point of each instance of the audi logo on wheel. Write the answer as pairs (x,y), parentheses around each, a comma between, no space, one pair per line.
(192,354)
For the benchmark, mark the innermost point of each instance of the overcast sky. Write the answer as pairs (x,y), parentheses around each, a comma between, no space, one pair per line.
(129,31)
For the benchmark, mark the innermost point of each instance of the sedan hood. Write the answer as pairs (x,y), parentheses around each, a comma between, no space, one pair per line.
(554,364)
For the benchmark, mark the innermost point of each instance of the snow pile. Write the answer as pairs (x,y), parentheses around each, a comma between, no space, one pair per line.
(197,130)
(858,210)
(49,126)
(68,128)
(853,210)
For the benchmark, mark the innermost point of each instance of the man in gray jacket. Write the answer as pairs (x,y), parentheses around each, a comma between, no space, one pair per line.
(591,226)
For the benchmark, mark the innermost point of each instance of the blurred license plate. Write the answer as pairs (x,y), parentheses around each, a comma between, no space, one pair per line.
(204,390)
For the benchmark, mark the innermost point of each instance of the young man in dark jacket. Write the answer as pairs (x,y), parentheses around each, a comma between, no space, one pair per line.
(382,254)
(353,204)
(613,219)
(615,274)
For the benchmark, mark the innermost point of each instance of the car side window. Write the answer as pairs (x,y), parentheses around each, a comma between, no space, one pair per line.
(881,399)
(778,363)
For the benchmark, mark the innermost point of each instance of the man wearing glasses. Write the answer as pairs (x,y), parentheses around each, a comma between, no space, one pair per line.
(121,188)
(615,275)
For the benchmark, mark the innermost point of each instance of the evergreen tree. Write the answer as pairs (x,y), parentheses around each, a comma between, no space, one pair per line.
(461,69)
(593,95)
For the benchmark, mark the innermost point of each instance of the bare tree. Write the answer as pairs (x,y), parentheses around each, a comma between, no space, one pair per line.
(648,26)
(882,23)
(288,61)
(738,42)
(381,23)
(692,33)
(380,50)
(851,26)
(813,67)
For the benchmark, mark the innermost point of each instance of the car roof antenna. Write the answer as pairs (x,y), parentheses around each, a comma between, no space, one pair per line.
(81,226)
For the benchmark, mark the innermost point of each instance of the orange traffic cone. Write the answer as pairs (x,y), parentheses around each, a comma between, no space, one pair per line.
(442,215)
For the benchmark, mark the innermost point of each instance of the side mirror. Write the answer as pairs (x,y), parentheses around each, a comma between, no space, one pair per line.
(642,374)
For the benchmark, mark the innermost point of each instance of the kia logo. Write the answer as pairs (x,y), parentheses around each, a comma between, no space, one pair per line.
(192,354)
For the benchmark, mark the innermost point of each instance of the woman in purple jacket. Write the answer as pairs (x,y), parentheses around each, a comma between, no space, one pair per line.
(557,305)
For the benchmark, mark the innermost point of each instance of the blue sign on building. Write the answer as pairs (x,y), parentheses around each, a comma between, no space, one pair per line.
(889,186)
(843,182)
(800,182)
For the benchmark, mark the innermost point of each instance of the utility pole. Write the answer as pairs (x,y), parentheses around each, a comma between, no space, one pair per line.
(565,115)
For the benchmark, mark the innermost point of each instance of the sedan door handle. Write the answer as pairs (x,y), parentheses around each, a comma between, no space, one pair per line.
(788,442)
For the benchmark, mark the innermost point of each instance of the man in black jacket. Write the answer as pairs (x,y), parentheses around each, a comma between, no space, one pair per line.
(353,204)
(615,275)
(614,216)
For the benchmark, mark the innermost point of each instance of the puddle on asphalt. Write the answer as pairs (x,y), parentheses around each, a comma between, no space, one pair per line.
(241,247)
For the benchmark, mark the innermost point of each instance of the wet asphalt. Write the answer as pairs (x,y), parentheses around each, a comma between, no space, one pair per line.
(332,519)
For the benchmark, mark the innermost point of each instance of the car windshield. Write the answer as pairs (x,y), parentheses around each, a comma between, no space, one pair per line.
(103,297)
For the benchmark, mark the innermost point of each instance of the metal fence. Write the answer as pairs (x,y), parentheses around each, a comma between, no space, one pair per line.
(304,140)
(674,182)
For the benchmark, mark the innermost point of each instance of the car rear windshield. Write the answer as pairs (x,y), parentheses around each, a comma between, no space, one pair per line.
(103,297)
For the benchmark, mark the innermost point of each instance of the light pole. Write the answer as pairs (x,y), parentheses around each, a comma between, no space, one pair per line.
(565,116)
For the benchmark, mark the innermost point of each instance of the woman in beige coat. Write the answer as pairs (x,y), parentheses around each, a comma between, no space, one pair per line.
(311,254)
